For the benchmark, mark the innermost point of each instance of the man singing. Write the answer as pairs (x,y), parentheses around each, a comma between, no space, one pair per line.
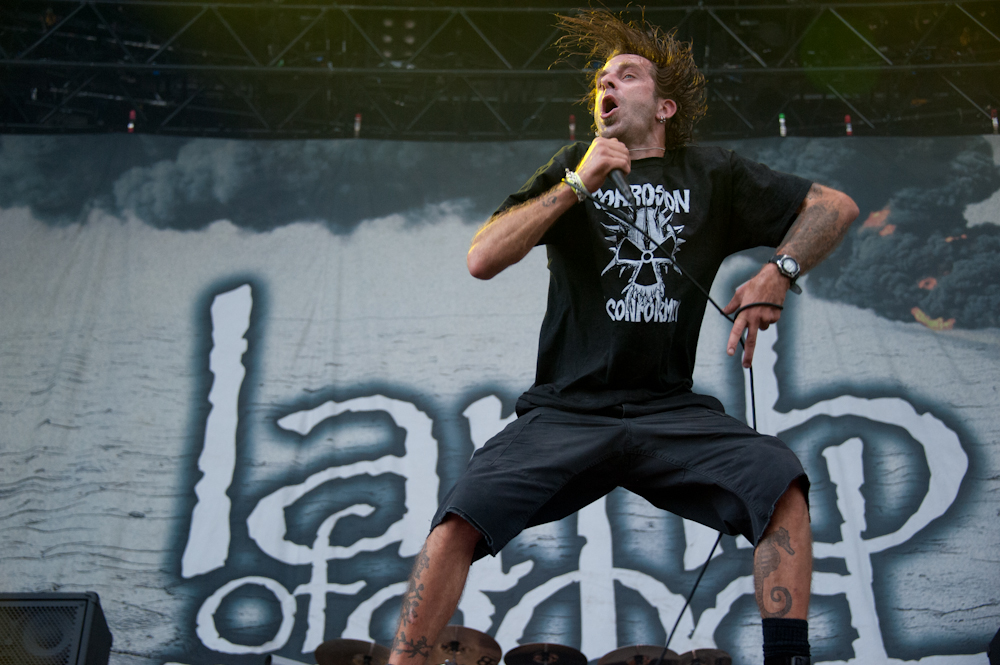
(612,404)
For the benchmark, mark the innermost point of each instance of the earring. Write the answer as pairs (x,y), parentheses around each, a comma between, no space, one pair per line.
(661,120)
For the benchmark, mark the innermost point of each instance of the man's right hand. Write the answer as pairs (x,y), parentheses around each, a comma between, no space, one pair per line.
(602,157)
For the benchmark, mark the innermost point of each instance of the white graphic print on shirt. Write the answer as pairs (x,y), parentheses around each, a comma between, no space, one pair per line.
(645,298)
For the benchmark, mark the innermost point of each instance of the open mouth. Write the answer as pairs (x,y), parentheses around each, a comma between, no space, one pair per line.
(608,104)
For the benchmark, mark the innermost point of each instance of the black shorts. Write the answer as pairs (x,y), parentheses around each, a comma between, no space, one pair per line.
(695,462)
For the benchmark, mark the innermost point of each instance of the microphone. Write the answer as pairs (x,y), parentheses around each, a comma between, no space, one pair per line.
(621,183)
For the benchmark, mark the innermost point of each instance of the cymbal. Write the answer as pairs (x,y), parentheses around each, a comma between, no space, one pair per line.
(706,657)
(351,652)
(639,654)
(464,646)
(541,653)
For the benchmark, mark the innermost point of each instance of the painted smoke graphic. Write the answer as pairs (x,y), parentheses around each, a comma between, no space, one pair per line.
(187,184)
(912,232)
(916,190)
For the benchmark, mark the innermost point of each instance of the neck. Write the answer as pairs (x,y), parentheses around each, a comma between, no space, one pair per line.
(650,143)
(643,141)
(649,151)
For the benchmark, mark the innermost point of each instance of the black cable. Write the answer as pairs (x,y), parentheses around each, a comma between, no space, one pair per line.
(753,393)
(628,221)
(757,304)
(680,269)
(688,601)
(657,246)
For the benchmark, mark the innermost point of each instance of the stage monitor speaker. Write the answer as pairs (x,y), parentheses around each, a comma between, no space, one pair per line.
(53,629)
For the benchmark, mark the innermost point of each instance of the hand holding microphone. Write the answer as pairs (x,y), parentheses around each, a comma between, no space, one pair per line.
(602,154)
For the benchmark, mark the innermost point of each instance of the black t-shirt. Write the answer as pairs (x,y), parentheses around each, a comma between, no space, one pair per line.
(622,323)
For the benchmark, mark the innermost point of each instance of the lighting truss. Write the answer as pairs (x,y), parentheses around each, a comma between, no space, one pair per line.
(478,71)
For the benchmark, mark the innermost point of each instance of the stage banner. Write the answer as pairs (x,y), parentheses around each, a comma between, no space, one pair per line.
(237,376)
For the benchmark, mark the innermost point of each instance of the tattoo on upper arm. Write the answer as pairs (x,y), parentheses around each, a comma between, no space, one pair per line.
(766,561)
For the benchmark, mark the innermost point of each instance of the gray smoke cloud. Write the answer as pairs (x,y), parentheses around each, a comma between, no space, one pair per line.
(922,253)
(930,260)
(62,178)
(258,185)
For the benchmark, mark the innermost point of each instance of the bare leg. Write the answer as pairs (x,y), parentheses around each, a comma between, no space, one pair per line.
(782,562)
(436,585)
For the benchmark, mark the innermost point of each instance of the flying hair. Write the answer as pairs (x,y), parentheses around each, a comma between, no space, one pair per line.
(599,35)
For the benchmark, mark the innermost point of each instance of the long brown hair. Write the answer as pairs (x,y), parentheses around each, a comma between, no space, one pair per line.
(598,34)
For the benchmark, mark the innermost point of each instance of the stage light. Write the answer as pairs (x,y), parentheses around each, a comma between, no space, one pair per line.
(396,37)
(131,121)
(781,125)
(847,125)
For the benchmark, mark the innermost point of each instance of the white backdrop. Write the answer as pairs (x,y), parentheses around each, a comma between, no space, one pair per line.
(236,431)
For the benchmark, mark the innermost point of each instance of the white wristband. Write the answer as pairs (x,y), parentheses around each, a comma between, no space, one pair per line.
(575,182)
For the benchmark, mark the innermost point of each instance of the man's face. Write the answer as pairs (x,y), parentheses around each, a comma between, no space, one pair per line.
(626,105)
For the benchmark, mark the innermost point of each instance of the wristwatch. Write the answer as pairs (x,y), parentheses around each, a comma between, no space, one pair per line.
(788,267)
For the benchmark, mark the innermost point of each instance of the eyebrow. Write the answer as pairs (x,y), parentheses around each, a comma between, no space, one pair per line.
(628,64)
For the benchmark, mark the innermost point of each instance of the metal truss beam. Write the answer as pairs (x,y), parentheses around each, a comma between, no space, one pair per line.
(478,71)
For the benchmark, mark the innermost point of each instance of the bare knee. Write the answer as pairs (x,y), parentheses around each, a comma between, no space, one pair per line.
(791,510)
(455,531)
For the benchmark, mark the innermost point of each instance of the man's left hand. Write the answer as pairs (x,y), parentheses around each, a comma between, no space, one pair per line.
(768,286)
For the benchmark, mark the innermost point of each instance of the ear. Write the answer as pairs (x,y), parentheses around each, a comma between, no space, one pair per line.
(668,108)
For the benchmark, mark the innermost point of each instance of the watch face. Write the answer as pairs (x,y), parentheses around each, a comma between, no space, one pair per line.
(789,266)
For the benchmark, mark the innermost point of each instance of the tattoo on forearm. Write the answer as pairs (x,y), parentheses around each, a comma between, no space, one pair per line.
(411,648)
(550,201)
(766,561)
(815,233)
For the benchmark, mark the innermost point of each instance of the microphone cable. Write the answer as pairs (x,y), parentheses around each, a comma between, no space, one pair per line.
(657,246)
(629,220)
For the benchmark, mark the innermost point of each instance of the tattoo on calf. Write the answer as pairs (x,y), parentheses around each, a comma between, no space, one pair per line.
(766,561)
(412,599)
(411,648)
(421,564)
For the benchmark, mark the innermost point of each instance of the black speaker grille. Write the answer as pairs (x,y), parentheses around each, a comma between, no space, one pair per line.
(37,634)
